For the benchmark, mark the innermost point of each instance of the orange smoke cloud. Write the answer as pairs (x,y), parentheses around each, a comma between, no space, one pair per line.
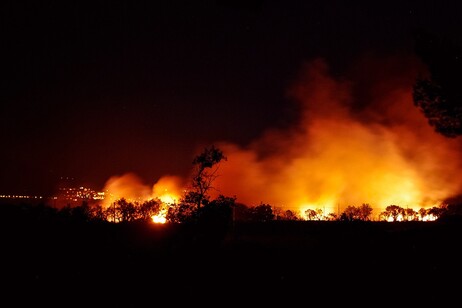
(133,189)
(128,186)
(168,189)
(351,146)
(357,140)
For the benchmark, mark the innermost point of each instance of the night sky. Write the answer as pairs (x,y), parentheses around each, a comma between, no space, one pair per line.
(97,89)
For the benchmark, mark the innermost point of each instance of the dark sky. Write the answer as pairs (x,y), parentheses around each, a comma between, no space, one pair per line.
(95,89)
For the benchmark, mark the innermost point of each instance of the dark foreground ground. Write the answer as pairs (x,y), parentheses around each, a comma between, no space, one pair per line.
(289,264)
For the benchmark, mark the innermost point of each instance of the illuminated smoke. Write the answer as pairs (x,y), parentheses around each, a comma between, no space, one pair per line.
(357,140)
(133,189)
(168,189)
(128,186)
(351,146)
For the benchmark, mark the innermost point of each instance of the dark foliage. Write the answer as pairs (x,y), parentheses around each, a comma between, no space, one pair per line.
(205,172)
(438,92)
(261,212)
(55,261)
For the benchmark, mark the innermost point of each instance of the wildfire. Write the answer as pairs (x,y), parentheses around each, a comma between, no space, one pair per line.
(159,218)
(167,190)
(356,141)
(352,145)
(168,198)
(130,187)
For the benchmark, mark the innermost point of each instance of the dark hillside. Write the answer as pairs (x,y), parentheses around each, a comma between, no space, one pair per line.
(65,263)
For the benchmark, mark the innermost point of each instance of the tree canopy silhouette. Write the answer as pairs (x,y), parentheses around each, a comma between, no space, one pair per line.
(437,93)
(205,172)
(196,201)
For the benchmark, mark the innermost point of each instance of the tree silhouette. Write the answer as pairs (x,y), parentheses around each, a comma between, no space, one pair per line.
(317,214)
(437,93)
(219,209)
(435,211)
(351,213)
(118,210)
(205,172)
(149,208)
(422,213)
(393,212)
(311,214)
(332,217)
(261,212)
(81,212)
(365,212)
(97,213)
(241,212)
(410,215)
(215,218)
(182,212)
(289,215)
(452,208)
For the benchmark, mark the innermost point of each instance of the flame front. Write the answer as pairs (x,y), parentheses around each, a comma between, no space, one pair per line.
(168,189)
(130,187)
(343,153)
(357,141)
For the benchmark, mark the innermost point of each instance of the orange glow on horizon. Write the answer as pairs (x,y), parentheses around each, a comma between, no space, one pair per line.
(168,189)
(130,187)
(159,218)
(340,153)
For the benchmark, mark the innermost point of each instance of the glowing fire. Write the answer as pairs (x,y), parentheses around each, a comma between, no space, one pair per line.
(356,141)
(168,198)
(167,189)
(159,218)
(346,150)
(129,186)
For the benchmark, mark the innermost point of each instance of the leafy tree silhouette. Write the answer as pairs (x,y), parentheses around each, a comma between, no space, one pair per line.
(410,214)
(217,211)
(241,212)
(437,93)
(182,212)
(422,212)
(205,169)
(261,212)
(436,211)
(311,214)
(149,208)
(205,172)
(290,215)
(97,213)
(365,211)
(215,219)
(80,213)
(393,212)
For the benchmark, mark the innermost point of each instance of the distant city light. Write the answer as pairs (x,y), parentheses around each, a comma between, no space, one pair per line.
(20,197)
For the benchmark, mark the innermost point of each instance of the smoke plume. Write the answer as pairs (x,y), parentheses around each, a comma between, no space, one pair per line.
(357,140)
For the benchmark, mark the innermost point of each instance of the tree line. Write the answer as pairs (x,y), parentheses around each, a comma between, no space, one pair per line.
(226,210)
(196,206)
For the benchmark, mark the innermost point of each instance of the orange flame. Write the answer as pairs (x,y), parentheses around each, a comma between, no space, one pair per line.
(131,187)
(356,141)
(341,153)
(128,186)
(168,189)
